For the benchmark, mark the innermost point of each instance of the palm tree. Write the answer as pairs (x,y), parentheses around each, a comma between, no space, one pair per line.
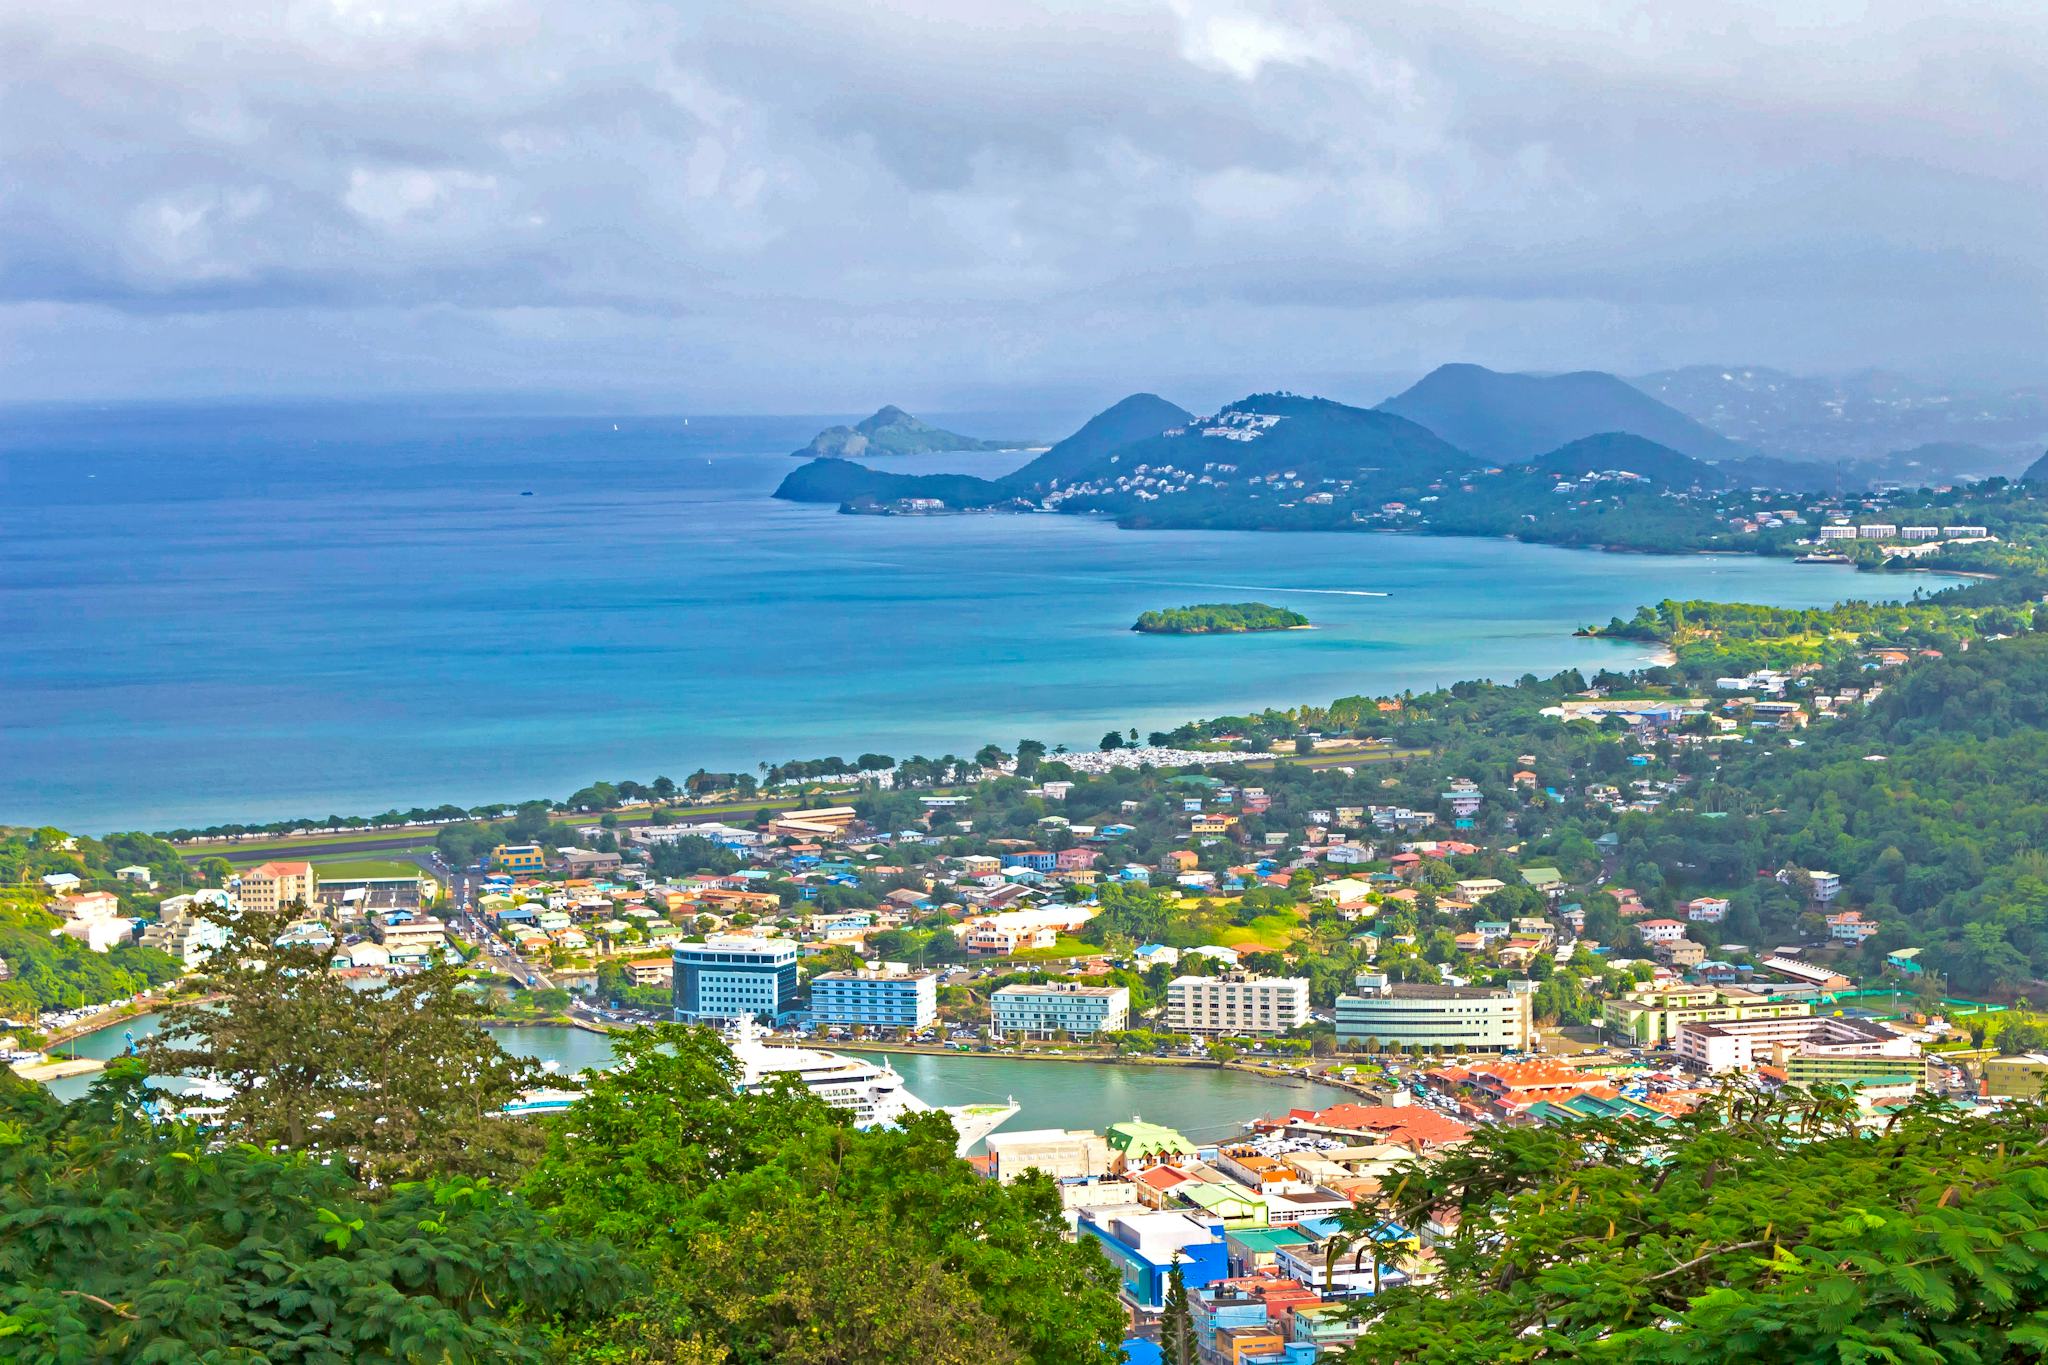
(1359,1229)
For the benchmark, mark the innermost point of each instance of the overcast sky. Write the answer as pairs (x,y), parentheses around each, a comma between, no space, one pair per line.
(772,205)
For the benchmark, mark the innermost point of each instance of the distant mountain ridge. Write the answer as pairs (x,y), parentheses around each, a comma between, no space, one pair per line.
(892,431)
(1513,418)
(1870,416)
(1150,461)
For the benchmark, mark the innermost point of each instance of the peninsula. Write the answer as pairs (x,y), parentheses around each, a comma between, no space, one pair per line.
(1627,474)
(1219,618)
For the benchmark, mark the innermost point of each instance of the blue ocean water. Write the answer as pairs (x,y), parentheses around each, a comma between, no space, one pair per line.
(258,613)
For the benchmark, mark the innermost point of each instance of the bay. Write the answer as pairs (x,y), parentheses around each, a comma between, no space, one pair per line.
(229,614)
(1205,1103)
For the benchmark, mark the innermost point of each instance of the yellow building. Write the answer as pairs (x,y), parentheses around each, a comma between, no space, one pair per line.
(1809,1069)
(2017,1078)
(517,858)
(1652,1018)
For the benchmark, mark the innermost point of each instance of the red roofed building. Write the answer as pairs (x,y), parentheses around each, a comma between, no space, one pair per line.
(1414,1126)
(1505,1090)
(1155,1183)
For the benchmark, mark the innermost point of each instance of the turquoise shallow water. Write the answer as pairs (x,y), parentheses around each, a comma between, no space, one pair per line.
(1203,1103)
(253,614)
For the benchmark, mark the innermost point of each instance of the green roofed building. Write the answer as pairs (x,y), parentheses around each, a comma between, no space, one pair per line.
(1255,1249)
(1580,1107)
(1138,1144)
(1237,1206)
(1548,880)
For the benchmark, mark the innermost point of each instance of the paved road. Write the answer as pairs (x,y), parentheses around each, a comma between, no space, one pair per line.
(466,922)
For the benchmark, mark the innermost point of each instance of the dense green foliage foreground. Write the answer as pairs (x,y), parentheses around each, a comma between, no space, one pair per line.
(356,1199)
(1757,1230)
(669,1221)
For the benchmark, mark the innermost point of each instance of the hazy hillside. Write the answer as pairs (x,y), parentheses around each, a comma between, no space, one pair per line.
(1135,418)
(839,479)
(892,431)
(1283,434)
(1939,462)
(1616,450)
(1866,416)
(843,481)
(1508,418)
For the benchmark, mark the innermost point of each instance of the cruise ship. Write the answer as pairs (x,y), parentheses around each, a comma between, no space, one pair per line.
(876,1094)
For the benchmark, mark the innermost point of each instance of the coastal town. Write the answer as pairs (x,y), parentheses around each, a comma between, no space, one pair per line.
(1176,683)
(1419,926)
(1382,912)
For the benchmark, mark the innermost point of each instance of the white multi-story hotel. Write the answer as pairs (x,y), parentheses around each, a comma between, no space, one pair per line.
(1453,1018)
(1058,1007)
(1236,1003)
(1810,1049)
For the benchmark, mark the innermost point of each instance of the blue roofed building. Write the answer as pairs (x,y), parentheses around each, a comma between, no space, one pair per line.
(1143,1245)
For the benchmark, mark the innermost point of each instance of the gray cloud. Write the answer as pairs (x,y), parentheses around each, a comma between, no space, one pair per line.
(805,205)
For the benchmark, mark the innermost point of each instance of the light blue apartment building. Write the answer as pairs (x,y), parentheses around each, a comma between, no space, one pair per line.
(875,999)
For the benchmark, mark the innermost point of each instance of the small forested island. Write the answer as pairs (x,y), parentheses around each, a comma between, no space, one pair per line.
(1219,618)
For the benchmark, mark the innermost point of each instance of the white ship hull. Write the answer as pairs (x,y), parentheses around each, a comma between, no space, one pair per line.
(876,1095)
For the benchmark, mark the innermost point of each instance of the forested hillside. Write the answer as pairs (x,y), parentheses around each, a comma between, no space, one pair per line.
(1932,803)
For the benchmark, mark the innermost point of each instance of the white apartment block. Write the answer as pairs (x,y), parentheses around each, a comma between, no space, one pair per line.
(1058,1007)
(1236,1003)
